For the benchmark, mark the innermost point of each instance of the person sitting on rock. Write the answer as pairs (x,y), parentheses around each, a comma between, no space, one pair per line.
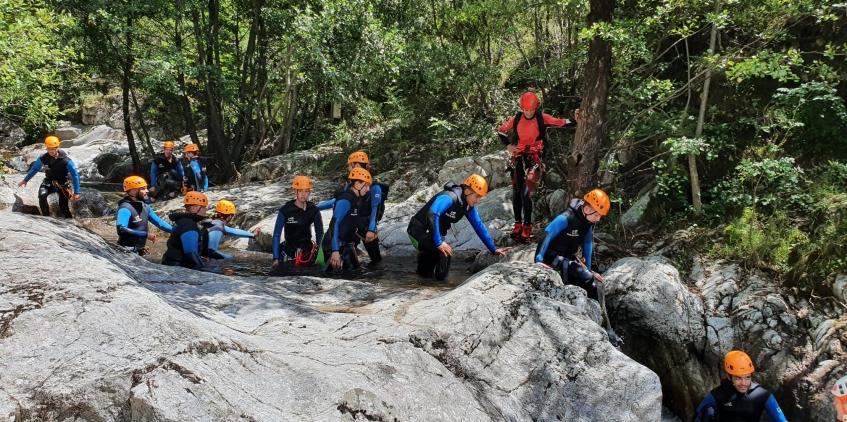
(185,242)
(344,228)
(372,207)
(133,217)
(166,174)
(526,145)
(57,165)
(214,229)
(196,178)
(566,233)
(296,218)
(430,224)
(738,398)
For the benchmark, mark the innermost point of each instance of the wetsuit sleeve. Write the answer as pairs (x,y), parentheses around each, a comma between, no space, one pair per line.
(342,208)
(232,231)
(707,403)
(438,207)
(122,223)
(280,222)
(180,170)
(158,222)
(558,225)
(376,199)
(215,238)
(319,228)
(503,130)
(588,247)
(481,230)
(154,173)
(190,241)
(74,175)
(198,176)
(325,205)
(36,166)
(774,411)
(554,121)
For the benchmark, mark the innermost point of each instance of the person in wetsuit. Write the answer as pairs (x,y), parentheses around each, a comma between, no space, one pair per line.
(214,229)
(57,166)
(345,230)
(185,242)
(196,178)
(166,174)
(134,216)
(295,219)
(430,224)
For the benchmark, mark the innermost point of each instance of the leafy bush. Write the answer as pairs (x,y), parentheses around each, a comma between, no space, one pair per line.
(761,240)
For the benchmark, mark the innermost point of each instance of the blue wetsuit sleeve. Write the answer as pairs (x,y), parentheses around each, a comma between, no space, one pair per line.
(774,411)
(232,231)
(36,166)
(588,247)
(122,223)
(481,230)
(325,205)
(158,222)
(215,238)
(190,248)
(558,225)
(280,222)
(707,403)
(180,170)
(342,208)
(319,228)
(154,173)
(198,175)
(376,199)
(438,207)
(74,175)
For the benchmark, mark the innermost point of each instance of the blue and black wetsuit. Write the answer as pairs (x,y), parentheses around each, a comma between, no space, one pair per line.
(56,172)
(167,176)
(344,230)
(185,241)
(212,232)
(726,404)
(371,207)
(195,175)
(429,226)
(297,224)
(132,223)
(564,236)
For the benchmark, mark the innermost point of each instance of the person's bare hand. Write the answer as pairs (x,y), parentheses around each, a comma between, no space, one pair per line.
(370,237)
(151,237)
(335,260)
(445,249)
(22,184)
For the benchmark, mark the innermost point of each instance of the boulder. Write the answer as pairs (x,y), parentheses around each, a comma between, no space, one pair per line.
(25,200)
(65,131)
(639,211)
(309,162)
(102,109)
(11,134)
(491,166)
(130,340)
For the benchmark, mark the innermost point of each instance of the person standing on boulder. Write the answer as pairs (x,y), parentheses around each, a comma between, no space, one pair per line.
(166,174)
(214,229)
(569,231)
(58,165)
(430,224)
(296,218)
(344,231)
(185,242)
(195,174)
(133,217)
(738,398)
(528,130)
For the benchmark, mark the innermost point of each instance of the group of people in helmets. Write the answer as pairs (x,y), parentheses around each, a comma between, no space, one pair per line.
(357,209)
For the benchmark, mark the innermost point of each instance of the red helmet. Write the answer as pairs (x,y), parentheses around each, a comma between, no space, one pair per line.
(529,101)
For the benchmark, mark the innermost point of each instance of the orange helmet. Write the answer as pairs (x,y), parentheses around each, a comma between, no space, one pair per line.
(529,101)
(359,173)
(134,182)
(358,157)
(225,207)
(196,198)
(301,182)
(477,184)
(738,363)
(191,148)
(598,200)
(52,141)
(169,145)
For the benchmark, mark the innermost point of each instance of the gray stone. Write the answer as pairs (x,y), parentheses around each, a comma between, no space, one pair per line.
(637,213)
(491,166)
(286,166)
(68,132)
(840,287)
(10,134)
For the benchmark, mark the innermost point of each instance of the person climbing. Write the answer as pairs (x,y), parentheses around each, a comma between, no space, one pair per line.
(566,233)
(344,233)
(214,229)
(296,218)
(372,207)
(738,398)
(58,165)
(166,174)
(185,242)
(133,217)
(528,129)
(196,178)
(430,224)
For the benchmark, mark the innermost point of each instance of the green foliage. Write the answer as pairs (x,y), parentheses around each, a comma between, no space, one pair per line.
(813,117)
(761,240)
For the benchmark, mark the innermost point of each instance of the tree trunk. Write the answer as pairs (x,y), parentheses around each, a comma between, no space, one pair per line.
(704,101)
(585,152)
(215,133)
(148,148)
(125,85)
(185,104)
(247,88)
